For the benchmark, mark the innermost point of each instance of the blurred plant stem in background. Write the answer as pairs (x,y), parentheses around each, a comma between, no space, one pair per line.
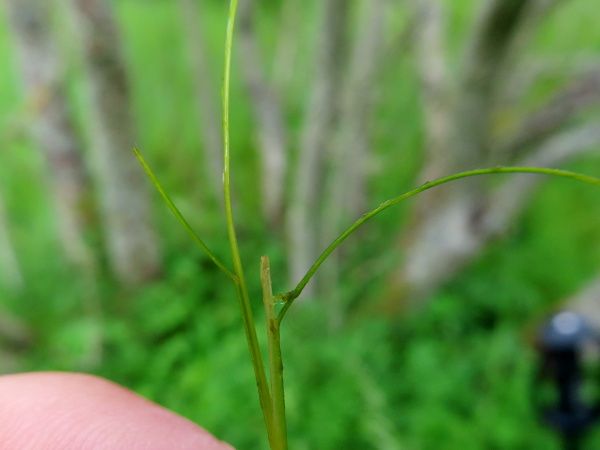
(271,131)
(133,245)
(452,227)
(205,89)
(10,269)
(53,130)
(321,112)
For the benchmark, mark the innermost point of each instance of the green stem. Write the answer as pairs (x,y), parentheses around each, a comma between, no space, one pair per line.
(275,361)
(292,295)
(242,290)
(180,217)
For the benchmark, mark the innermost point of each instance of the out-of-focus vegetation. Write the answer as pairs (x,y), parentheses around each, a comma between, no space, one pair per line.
(458,374)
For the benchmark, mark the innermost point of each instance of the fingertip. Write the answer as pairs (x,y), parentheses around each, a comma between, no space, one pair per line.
(55,410)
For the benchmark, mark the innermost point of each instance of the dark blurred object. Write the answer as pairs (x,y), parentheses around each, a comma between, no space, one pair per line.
(562,342)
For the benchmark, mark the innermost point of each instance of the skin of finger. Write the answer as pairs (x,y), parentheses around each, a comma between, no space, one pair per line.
(71,411)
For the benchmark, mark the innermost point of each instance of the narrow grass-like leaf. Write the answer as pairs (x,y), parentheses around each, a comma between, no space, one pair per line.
(292,295)
(180,217)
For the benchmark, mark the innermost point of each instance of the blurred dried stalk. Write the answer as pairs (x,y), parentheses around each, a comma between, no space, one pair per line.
(132,242)
(52,128)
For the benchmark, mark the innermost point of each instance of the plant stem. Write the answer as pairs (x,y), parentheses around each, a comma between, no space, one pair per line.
(289,297)
(275,361)
(241,288)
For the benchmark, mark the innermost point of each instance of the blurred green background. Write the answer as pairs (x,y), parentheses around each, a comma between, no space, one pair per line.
(458,372)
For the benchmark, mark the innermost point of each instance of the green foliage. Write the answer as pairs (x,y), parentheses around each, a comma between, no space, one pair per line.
(457,375)
(438,376)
